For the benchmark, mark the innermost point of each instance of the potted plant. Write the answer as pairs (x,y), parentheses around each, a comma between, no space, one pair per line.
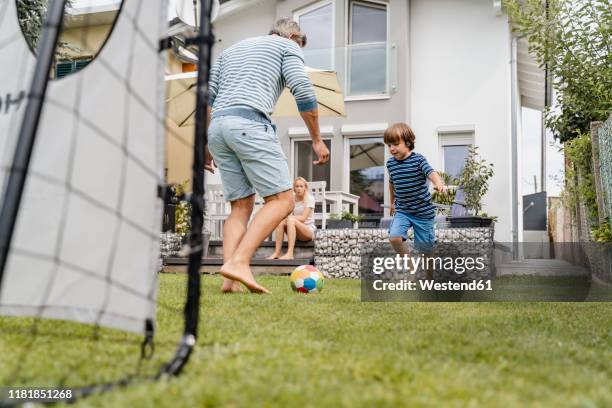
(344,220)
(474,181)
(443,201)
(446,198)
(183,220)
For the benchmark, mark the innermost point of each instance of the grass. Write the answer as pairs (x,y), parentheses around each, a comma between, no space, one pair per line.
(333,350)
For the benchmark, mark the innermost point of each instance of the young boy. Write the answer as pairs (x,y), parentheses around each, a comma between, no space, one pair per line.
(410,198)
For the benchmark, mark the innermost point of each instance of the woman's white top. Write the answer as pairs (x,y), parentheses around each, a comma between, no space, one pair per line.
(300,206)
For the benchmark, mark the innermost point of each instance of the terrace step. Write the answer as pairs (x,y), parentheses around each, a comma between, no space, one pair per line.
(258,266)
(303,250)
(540,267)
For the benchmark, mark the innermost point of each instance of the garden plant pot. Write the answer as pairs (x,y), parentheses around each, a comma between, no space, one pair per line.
(205,244)
(169,218)
(339,224)
(469,222)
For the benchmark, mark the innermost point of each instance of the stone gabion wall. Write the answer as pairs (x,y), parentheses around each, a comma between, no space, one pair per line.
(338,253)
(169,245)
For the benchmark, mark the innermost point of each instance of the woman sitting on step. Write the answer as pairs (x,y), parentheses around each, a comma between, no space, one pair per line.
(300,225)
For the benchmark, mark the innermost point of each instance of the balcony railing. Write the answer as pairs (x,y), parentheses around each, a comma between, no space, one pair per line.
(364,70)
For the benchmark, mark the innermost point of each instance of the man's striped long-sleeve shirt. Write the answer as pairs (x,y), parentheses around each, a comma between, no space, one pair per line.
(253,73)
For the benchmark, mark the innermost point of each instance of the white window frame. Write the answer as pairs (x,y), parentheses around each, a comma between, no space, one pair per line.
(304,10)
(293,151)
(458,135)
(362,132)
(347,35)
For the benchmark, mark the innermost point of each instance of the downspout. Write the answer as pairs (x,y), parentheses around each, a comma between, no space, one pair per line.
(514,144)
(543,135)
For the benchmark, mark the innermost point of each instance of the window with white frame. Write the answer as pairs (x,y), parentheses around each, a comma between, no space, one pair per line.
(303,157)
(317,21)
(367,48)
(454,149)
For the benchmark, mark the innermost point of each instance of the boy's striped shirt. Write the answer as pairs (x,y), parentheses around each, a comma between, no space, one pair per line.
(254,72)
(409,179)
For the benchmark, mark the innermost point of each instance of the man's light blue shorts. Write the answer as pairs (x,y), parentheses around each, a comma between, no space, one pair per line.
(249,157)
(424,235)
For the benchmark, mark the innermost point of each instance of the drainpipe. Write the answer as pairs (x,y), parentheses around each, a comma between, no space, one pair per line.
(543,136)
(514,145)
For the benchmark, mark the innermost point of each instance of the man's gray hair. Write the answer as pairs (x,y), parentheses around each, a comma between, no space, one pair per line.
(285,27)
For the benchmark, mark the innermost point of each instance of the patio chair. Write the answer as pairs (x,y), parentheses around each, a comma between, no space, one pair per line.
(317,189)
(217,209)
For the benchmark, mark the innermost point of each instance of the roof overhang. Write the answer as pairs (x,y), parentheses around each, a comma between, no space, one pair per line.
(531,78)
(231,7)
(92,15)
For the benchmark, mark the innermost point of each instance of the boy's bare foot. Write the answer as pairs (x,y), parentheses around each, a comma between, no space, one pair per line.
(242,273)
(286,256)
(273,256)
(231,286)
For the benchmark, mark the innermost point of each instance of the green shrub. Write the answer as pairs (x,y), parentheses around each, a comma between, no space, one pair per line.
(603,233)
(579,175)
(448,197)
(346,215)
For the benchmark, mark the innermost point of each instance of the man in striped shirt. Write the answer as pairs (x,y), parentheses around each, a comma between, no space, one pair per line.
(411,206)
(244,86)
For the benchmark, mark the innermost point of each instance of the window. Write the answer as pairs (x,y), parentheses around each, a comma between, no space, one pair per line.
(454,148)
(317,22)
(367,49)
(367,176)
(454,159)
(64,68)
(303,156)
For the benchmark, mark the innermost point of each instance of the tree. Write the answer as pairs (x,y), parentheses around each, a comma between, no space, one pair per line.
(573,40)
(31,14)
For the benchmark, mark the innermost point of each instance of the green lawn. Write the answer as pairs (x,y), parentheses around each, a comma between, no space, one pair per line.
(333,350)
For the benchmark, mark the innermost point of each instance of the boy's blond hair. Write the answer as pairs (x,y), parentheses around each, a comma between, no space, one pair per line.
(400,131)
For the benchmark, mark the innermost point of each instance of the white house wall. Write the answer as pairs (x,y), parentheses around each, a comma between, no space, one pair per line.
(251,21)
(460,65)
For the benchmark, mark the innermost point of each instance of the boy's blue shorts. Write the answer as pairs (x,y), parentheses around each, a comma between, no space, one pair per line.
(424,236)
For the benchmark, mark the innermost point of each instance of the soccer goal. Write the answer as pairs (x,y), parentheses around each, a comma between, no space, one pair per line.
(82,133)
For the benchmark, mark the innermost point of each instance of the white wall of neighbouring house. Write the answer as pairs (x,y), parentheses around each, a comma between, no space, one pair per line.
(253,20)
(460,79)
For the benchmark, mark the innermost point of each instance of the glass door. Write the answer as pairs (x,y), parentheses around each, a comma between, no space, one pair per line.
(367,177)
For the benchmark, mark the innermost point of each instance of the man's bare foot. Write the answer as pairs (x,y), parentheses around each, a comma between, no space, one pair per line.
(286,256)
(274,256)
(242,273)
(231,286)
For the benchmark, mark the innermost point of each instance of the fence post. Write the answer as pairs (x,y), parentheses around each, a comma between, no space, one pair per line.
(604,134)
(601,206)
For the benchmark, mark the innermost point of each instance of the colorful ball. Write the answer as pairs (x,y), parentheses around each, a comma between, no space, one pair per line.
(306,279)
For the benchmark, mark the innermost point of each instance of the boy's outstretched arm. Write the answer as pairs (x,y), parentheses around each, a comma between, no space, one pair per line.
(437,182)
